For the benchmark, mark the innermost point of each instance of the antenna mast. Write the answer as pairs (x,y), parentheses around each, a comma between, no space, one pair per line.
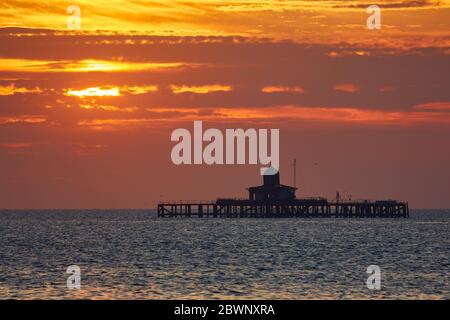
(295,172)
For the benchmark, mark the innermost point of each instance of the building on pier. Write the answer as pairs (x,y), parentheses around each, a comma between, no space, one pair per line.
(271,190)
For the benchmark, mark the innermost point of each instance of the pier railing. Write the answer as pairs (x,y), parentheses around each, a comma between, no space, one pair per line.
(297,208)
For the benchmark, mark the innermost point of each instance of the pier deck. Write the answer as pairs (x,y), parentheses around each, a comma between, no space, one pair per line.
(298,208)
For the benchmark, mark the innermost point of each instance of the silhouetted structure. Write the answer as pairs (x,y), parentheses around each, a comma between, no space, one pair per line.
(271,190)
(274,200)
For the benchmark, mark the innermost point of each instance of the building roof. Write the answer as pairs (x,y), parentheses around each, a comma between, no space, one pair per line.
(268,187)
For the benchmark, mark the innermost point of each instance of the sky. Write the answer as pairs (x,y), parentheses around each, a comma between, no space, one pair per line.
(86,115)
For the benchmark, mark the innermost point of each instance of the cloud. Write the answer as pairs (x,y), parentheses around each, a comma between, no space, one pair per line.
(16,145)
(95,106)
(87,150)
(12,89)
(280,115)
(94,92)
(110,91)
(346,87)
(433,106)
(107,124)
(139,89)
(28,119)
(282,89)
(281,20)
(86,65)
(389,4)
(217,75)
(200,89)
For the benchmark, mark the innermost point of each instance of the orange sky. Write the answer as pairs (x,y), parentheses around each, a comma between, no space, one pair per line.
(86,116)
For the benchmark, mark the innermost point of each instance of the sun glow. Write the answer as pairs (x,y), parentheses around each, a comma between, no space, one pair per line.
(95,92)
(86,65)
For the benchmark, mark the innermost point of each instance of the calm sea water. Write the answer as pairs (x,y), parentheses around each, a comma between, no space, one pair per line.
(134,255)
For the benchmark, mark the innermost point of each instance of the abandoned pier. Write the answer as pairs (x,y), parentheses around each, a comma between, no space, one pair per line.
(274,200)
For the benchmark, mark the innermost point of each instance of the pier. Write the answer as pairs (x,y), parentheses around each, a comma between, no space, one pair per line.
(274,200)
(300,208)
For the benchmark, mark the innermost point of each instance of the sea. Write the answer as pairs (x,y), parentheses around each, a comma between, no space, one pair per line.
(132,254)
